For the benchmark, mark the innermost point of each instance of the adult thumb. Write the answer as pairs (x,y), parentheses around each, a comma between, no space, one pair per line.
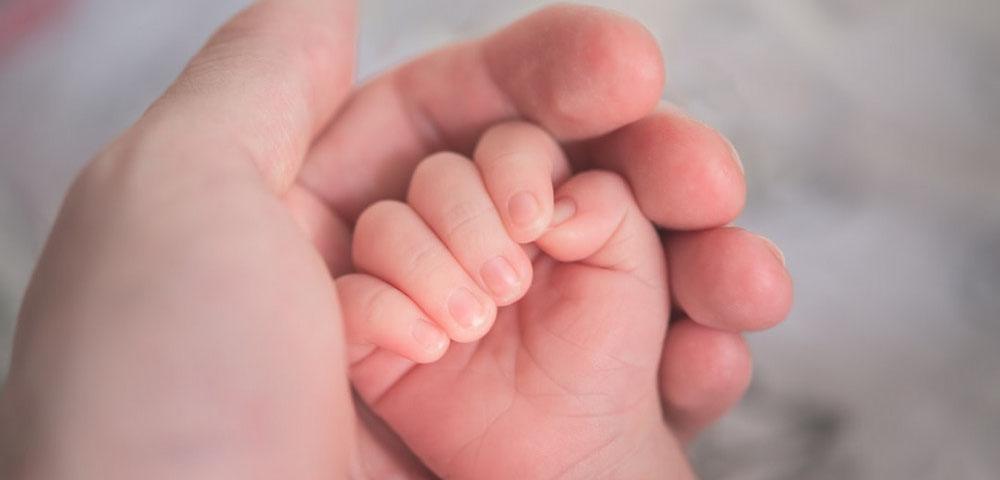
(261,88)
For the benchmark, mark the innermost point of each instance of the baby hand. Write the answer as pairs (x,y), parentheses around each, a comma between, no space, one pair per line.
(556,298)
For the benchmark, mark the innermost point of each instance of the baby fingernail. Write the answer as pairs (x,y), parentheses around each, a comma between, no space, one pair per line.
(429,336)
(563,210)
(523,208)
(466,309)
(500,277)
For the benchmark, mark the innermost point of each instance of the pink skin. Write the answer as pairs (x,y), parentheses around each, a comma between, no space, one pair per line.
(461,219)
(177,305)
(685,175)
(565,381)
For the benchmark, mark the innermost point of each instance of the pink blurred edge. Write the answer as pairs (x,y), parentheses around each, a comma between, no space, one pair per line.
(20,18)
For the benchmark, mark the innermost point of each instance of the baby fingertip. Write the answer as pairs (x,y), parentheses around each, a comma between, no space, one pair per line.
(432,340)
(523,209)
(563,209)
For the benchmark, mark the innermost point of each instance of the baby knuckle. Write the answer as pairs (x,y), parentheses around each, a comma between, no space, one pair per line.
(431,170)
(463,218)
(374,226)
(376,216)
(421,259)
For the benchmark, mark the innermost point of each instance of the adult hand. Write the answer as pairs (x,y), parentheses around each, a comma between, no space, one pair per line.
(180,325)
(594,79)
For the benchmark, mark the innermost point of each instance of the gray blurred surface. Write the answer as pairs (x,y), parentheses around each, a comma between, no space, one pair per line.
(870,132)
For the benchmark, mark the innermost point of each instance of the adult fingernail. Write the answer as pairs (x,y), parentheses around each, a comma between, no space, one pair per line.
(735,155)
(773,248)
(466,309)
(500,277)
(563,210)
(523,208)
(431,338)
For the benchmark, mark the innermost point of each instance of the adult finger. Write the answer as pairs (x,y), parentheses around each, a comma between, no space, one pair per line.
(685,175)
(704,372)
(728,278)
(577,71)
(259,91)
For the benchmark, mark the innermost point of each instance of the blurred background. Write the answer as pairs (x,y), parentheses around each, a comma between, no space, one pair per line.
(870,131)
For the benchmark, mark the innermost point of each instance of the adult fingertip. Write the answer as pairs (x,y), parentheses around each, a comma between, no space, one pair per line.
(714,365)
(773,247)
(704,373)
(766,283)
(730,279)
(774,289)
(684,173)
(591,70)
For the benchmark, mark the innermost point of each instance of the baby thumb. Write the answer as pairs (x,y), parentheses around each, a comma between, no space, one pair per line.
(596,222)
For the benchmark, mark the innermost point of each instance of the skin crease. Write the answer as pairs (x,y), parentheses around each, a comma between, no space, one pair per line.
(546,391)
(182,322)
(564,381)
